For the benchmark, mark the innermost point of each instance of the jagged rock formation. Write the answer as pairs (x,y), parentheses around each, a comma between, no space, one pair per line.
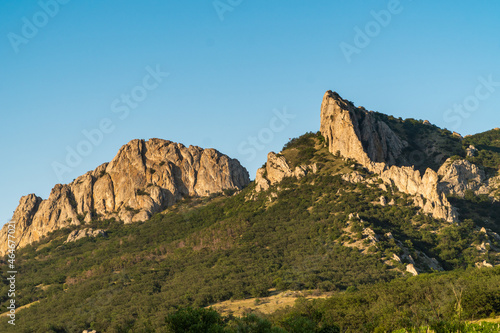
(356,133)
(82,233)
(276,169)
(145,177)
(354,177)
(423,188)
(460,176)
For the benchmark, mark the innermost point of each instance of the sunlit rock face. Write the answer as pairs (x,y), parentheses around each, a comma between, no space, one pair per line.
(145,177)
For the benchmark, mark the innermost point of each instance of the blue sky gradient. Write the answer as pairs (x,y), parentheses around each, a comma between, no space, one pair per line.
(232,65)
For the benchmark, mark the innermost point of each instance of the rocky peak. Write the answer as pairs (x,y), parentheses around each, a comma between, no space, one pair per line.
(28,205)
(358,134)
(145,177)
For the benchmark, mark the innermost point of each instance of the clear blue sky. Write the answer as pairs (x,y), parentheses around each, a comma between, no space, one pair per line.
(230,71)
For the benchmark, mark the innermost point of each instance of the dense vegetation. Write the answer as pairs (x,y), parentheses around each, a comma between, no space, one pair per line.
(488,146)
(482,207)
(428,145)
(299,234)
(440,301)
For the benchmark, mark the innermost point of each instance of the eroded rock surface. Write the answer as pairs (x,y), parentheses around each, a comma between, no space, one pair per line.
(460,176)
(145,177)
(358,134)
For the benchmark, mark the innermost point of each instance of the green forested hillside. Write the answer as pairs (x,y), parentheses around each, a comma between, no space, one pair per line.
(483,208)
(441,302)
(428,145)
(297,235)
(488,146)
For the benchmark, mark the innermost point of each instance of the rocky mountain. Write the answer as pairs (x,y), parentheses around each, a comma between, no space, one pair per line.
(380,144)
(369,199)
(357,133)
(377,154)
(145,177)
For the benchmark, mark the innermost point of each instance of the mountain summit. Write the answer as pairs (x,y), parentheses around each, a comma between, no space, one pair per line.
(416,157)
(145,177)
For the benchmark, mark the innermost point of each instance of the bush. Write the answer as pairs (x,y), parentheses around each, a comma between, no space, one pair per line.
(190,320)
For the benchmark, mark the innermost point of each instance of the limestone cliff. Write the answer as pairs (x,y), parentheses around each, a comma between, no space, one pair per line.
(356,133)
(145,177)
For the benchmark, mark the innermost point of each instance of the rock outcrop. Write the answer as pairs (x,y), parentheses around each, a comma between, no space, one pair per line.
(145,177)
(276,169)
(358,134)
(460,176)
(410,268)
(483,264)
(82,233)
(471,151)
(354,177)
(423,188)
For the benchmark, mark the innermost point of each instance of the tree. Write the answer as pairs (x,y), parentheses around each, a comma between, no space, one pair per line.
(190,320)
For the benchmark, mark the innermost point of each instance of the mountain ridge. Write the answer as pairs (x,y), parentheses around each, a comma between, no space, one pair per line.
(129,189)
(314,219)
(144,177)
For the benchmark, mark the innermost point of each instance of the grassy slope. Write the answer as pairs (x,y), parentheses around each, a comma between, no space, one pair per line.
(440,300)
(266,305)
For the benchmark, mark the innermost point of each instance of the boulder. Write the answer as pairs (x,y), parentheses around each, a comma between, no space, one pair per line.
(410,268)
(471,151)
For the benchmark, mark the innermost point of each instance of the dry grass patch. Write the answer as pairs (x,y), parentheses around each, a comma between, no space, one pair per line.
(276,301)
